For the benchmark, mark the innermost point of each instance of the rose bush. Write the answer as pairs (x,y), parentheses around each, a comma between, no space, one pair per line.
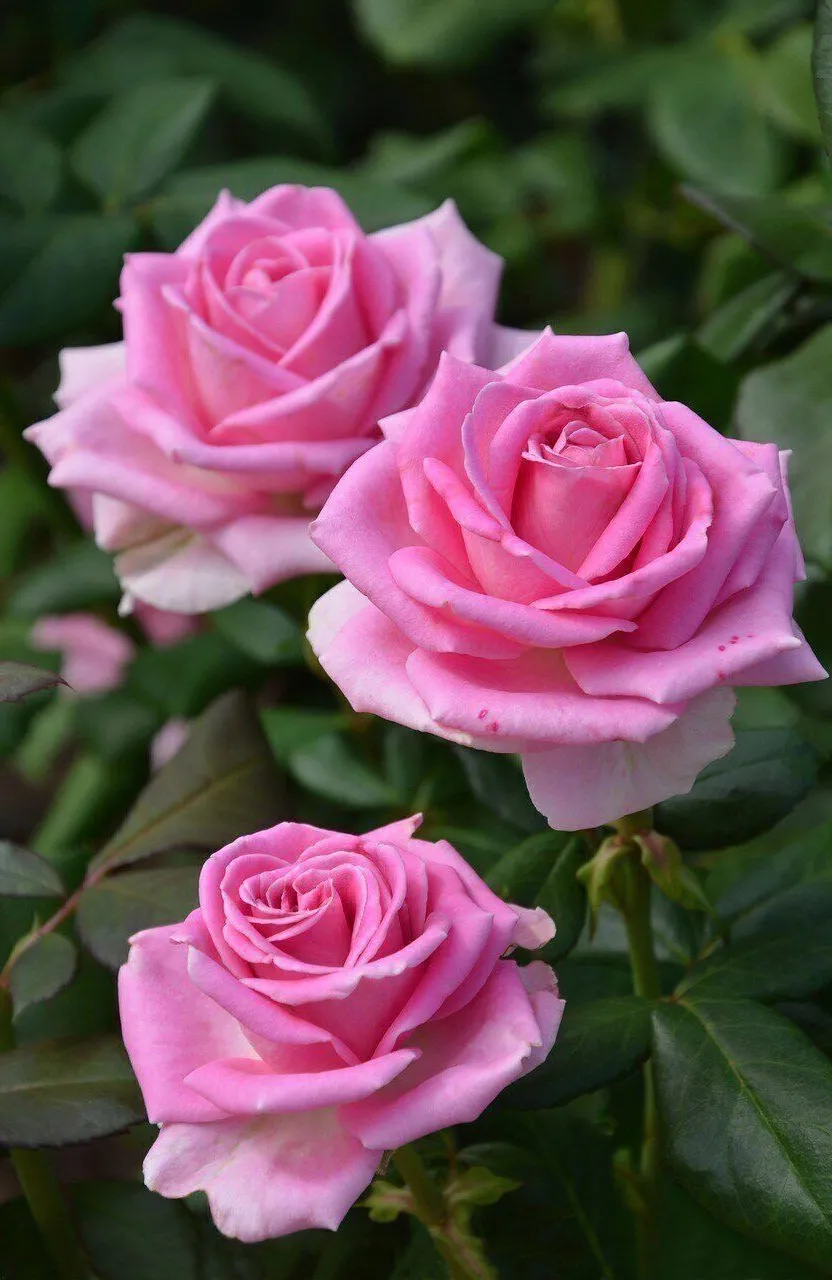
(255,365)
(332,997)
(553,561)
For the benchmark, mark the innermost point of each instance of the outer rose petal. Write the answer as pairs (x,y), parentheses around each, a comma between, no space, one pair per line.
(467,1059)
(557,360)
(264,1177)
(170,1028)
(366,656)
(181,572)
(269,549)
(579,787)
(246,1087)
(86,368)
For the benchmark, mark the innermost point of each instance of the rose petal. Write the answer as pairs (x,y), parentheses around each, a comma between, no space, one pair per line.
(85,369)
(170,1028)
(581,787)
(264,1177)
(467,1059)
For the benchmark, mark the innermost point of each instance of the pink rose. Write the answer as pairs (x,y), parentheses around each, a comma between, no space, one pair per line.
(93,655)
(256,362)
(332,997)
(553,561)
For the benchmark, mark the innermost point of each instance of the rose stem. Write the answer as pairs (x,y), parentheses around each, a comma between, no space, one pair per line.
(645,983)
(430,1207)
(40,1187)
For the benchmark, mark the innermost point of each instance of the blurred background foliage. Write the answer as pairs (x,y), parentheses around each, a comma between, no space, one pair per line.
(650,165)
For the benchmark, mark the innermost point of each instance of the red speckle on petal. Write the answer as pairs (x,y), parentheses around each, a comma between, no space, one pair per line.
(493,727)
(735,639)
(720,675)
(722,648)
(482,714)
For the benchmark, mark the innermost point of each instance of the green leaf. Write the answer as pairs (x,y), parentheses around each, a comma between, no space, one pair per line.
(496,781)
(139,138)
(745,793)
(681,369)
(190,194)
(743,319)
(220,784)
(797,236)
(261,630)
(66,1091)
(406,756)
(120,905)
(181,680)
(598,1043)
(24,874)
(780,948)
(693,1244)
(30,165)
(145,48)
(520,874)
(24,1252)
(42,970)
(289,729)
(822,68)
(746,1106)
(440,32)
(115,724)
(76,578)
(330,768)
(790,402)
(18,680)
(131,1234)
(86,1006)
(778,869)
(71,277)
(785,84)
(425,163)
(705,121)
(563,897)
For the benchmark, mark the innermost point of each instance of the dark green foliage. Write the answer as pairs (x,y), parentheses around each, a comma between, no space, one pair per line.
(654,167)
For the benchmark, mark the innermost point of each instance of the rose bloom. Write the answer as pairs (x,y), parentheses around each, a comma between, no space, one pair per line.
(94,657)
(256,362)
(332,997)
(551,560)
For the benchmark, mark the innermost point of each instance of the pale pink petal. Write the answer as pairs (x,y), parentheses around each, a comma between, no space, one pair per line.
(558,360)
(535,927)
(542,989)
(581,787)
(182,572)
(168,742)
(225,206)
(86,369)
(250,1087)
(506,345)
(531,699)
(264,1177)
(362,524)
(365,655)
(269,549)
(754,626)
(467,1059)
(300,207)
(94,655)
(170,1028)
